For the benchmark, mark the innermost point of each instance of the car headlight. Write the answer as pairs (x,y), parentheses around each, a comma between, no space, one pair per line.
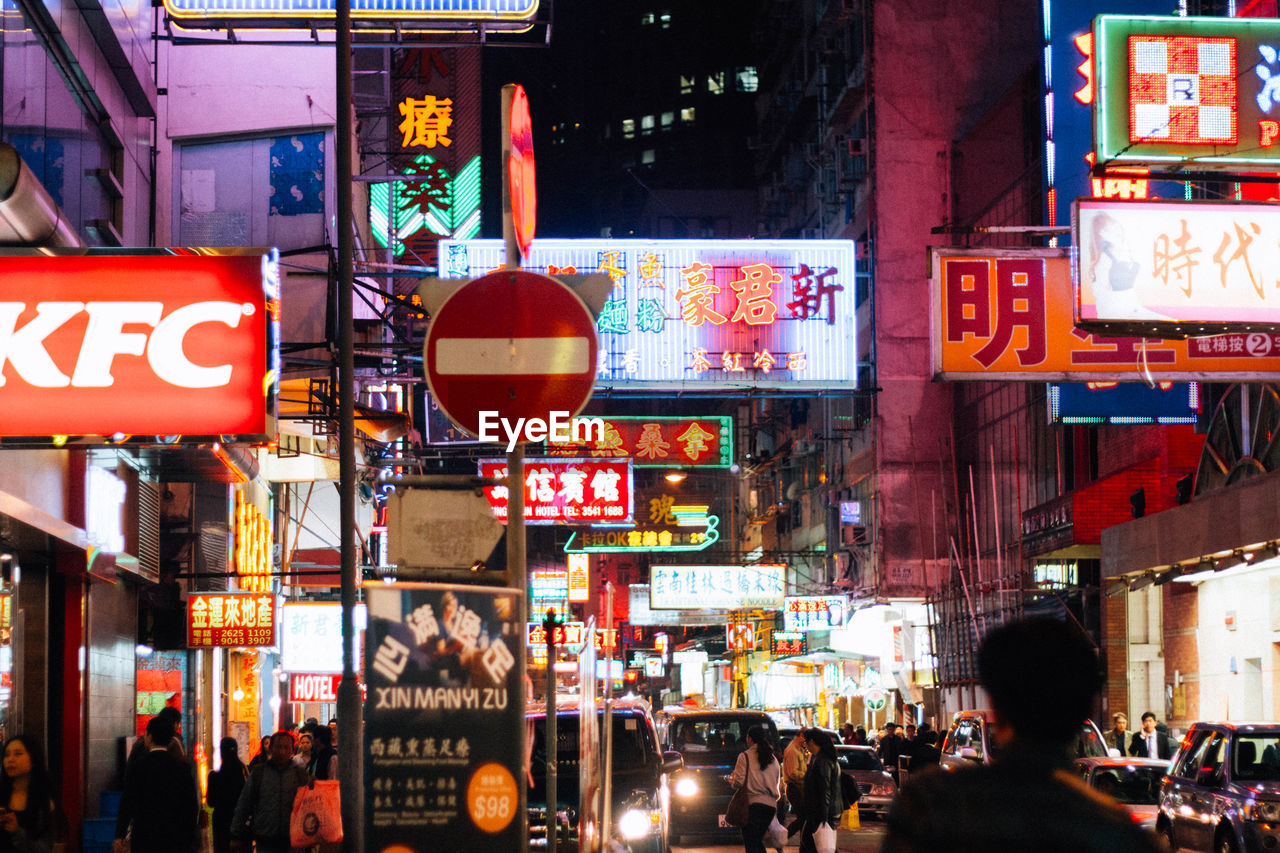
(1262,810)
(686,786)
(881,791)
(637,823)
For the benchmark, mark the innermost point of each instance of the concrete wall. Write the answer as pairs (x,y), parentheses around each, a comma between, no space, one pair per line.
(112,635)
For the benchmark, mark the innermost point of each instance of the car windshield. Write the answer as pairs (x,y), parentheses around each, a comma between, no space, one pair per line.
(1130,784)
(1256,757)
(717,739)
(858,759)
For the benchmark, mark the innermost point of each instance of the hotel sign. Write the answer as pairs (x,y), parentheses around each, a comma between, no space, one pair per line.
(566,491)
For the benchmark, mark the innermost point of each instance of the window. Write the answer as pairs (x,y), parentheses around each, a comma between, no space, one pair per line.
(646,125)
(686,85)
(1187,765)
(665,20)
(686,115)
(647,157)
(628,128)
(667,120)
(715,83)
(647,18)
(747,80)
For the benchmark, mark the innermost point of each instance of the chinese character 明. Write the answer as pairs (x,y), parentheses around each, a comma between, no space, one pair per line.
(764,361)
(701,364)
(604,485)
(1019,306)
(650,444)
(1181,262)
(391,659)
(695,440)
(701,292)
(755,295)
(426,121)
(809,290)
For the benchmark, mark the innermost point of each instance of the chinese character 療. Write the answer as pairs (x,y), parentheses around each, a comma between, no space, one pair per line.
(426,121)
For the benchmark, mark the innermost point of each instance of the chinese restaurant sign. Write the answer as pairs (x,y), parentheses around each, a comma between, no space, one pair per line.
(160,345)
(705,313)
(1184,267)
(1009,316)
(230,619)
(1197,92)
(659,441)
(814,612)
(787,643)
(407,14)
(717,587)
(443,718)
(566,491)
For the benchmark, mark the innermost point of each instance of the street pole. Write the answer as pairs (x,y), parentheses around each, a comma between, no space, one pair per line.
(606,807)
(553,744)
(350,721)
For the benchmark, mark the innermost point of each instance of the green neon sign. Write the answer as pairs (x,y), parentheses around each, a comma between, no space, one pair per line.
(617,541)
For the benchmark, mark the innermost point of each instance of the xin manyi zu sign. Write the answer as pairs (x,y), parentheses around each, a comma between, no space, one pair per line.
(155,345)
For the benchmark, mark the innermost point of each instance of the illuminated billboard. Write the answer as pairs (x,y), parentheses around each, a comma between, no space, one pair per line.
(1177,267)
(1008,314)
(1124,403)
(162,345)
(220,619)
(759,585)
(657,441)
(707,314)
(409,14)
(815,612)
(1182,92)
(566,491)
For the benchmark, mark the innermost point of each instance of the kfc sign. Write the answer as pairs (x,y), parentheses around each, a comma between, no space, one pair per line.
(138,344)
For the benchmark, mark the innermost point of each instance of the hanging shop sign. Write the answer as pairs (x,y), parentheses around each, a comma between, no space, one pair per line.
(571,636)
(1187,93)
(740,636)
(644,540)
(1009,315)
(654,668)
(1176,268)
(658,441)
(759,585)
(705,313)
(430,15)
(314,687)
(579,581)
(158,345)
(566,491)
(443,717)
(253,546)
(1123,403)
(788,643)
(230,619)
(549,585)
(640,614)
(311,635)
(815,612)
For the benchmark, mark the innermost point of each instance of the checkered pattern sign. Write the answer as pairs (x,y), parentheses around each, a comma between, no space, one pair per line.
(1183,89)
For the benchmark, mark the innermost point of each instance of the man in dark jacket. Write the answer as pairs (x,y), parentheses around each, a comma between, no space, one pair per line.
(1150,742)
(1041,676)
(266,803)
(160,805)
(822,802)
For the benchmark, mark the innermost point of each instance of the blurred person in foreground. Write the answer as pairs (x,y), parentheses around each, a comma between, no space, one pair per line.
(1041,676)
(27,813)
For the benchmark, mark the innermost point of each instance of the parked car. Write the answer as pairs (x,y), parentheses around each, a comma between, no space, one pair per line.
(1134,783)
(1222,792)
(874,781)
(709,741)
(641,807)
(967,741)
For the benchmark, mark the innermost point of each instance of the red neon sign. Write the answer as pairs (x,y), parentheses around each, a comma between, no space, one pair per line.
(230,619)
(138,344)
(314,688)
(566,491)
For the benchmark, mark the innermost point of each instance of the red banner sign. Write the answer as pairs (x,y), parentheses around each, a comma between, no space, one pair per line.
(230,619)
(570,634)
(566,491)
(314,688)
(137,344)
(658,441)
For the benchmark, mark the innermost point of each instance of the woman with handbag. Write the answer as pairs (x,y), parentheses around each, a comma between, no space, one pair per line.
(755,779)
(823,804)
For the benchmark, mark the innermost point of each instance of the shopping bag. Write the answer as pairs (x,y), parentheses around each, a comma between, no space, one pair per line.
(317,815)
(739,809)
(775,836)
(824,838)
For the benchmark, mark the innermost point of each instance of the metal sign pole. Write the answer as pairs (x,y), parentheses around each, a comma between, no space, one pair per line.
(606,807)
(553,742)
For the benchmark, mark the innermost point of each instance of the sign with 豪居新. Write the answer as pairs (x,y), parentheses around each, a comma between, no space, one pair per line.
(230,619)
(566,491)
(705,313)
(1008,315)
(760,585)
(1187,92)
(444,714)
(1187,267)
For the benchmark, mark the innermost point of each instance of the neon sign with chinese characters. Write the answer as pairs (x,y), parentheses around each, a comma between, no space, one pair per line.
(230,619)
(252,546)
(659,441)
(1203,92)
(566,491)
(761,585)
(707,313)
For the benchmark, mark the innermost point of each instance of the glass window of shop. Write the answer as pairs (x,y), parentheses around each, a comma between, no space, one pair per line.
(45,122)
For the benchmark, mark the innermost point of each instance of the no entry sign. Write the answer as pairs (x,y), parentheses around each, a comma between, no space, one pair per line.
(514,343)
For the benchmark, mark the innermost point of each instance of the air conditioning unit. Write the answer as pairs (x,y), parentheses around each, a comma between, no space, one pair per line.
(857,146)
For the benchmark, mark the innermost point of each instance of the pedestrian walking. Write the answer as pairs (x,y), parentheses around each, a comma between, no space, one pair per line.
(822,800)
(264,752)
(891,746)
(1148,742)
(223,789)
(1028,798)
(26,799)
(1116,736)
(303,756)
(847,735)
(160,807)
(757,770)
(266,803)
(795,762)
(324,758)
(174,716)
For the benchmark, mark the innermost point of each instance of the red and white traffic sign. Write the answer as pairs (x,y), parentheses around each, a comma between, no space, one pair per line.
(516,343)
